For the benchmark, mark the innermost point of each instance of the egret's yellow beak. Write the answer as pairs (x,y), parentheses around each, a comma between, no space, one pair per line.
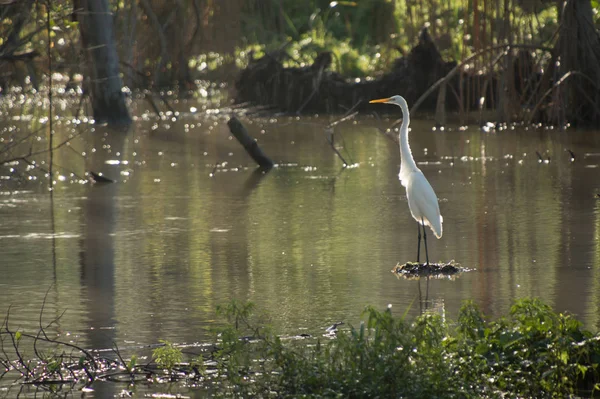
(381,100)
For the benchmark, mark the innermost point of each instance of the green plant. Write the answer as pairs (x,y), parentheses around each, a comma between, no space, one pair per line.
(533,352)
(167,356)
(130,365)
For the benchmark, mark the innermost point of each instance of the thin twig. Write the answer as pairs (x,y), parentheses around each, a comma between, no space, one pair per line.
(16,143)
(41,330)
(16,345)
(329,131)
(329,138)
(31,154)
(343,119)
(118,353)
(49,44)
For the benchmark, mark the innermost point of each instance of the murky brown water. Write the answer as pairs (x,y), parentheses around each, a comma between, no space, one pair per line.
(311,243)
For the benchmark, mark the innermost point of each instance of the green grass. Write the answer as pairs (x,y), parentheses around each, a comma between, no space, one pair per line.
(531,352)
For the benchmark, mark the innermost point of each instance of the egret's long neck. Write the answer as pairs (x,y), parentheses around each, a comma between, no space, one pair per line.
(407,160)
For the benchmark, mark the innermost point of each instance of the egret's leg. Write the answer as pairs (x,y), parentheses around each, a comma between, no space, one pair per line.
(420,296)
(425,241)
(419,241)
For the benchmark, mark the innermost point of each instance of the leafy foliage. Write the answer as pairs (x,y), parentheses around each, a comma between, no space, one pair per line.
(167,356)
(533,352)
(367,36)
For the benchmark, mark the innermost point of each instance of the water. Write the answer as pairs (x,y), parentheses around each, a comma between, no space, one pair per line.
(190,225)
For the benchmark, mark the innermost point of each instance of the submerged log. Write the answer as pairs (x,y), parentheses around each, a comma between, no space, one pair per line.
(316,89)
(250,145)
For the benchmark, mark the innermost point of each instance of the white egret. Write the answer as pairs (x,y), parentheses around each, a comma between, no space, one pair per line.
(422,201)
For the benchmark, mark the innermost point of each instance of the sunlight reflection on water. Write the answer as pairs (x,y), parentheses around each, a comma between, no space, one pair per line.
(190,224)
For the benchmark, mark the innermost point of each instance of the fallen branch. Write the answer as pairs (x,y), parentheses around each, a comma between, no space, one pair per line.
(250,145)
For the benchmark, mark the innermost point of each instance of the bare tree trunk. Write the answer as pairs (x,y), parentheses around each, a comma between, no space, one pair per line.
(104,82)
(579,50)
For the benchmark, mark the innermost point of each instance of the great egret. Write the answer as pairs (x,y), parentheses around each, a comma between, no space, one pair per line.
(422,201)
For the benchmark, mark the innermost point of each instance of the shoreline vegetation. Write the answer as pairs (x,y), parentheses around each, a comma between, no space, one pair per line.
(525,61)
(530,352)
(529,61)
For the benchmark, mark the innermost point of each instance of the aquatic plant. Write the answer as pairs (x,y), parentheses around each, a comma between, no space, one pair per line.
(532,352)
(167,356)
